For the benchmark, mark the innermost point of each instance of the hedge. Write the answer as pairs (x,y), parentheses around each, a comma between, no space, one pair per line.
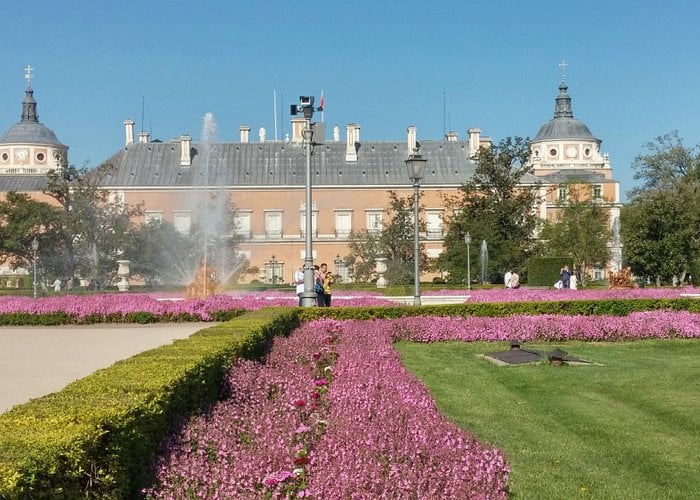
(97,437)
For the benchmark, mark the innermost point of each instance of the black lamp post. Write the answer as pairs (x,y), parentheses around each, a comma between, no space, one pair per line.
(468,242)
(415,164)
(35,247)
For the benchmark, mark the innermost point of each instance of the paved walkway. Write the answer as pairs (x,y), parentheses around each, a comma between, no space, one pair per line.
(35,361)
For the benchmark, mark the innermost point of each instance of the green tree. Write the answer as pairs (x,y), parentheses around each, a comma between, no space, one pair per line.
(495,206)
(395,242)
(22,219)
(93,225)
(667,164)
(580,230)
(659,236)
(660,226)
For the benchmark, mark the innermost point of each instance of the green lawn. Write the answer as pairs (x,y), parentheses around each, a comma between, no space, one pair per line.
(629,428)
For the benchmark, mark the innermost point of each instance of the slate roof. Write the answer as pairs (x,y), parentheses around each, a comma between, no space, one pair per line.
(283,164)
(563,176)
(22,183)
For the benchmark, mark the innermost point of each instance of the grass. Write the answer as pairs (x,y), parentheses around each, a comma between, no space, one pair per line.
(627,428)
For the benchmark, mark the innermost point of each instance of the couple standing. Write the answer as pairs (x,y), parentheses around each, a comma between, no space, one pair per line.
(323,279)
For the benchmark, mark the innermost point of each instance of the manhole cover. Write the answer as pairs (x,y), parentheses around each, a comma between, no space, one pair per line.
(519,355)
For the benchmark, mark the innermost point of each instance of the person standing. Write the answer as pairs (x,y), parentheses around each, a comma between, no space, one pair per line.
(57,285)
(299,282)
(565,277)
(574,281)
(318,286)
(328,280)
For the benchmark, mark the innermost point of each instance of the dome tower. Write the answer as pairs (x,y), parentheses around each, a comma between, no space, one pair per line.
(29,147)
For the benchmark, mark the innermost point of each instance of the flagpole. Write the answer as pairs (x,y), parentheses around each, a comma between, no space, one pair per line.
(274,110)
(323,107)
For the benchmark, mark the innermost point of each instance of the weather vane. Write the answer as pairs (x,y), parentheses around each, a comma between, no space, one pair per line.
(563,66)
(28,76)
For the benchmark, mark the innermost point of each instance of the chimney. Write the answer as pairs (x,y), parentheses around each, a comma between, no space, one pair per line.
(245,134)
(474,140)
(143,137)
(129,130)
(451,136)
(261,134)
(298,125)
(411,139)
(353,139)
(185,152)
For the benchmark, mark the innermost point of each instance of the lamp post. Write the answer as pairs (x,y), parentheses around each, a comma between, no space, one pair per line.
(35,247)
(306,107)
(468,241)
(415,164)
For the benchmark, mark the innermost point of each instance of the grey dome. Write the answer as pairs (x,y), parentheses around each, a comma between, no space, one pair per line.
(29,130)
(564,125)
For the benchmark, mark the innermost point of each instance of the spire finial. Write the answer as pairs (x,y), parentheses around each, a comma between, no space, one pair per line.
(28,76)
(563,66)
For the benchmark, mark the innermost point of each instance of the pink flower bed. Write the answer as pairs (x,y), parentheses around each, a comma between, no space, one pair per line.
(531,294)
(331,414)
(82,306)
(548,327)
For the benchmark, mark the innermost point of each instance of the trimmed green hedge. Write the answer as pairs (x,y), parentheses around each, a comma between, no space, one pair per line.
(97,437)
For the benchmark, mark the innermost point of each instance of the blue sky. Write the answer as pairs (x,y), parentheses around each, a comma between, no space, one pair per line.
(632,68)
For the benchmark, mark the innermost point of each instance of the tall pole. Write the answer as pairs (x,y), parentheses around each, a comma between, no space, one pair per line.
(469,270)
(308,298)
(416,246)
(35,247)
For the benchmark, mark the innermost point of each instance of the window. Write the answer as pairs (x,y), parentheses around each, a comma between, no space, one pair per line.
(153,216)
(433,224)
(241,221)
(597,193)
(563,193)
(273,225)
(343,223)
(302,220)
(375,221)
(182,221)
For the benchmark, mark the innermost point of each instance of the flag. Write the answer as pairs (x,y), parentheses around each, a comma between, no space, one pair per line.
(323,102)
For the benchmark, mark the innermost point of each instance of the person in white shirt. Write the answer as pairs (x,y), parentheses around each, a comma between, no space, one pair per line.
(299,282)
(507,278)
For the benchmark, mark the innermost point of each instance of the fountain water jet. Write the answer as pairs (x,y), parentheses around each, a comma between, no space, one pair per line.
(484,259)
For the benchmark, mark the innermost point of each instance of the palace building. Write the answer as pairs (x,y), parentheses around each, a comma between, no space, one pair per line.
(265,180)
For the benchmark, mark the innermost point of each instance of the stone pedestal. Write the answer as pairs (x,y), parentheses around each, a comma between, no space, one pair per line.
(381,269)
(123,273)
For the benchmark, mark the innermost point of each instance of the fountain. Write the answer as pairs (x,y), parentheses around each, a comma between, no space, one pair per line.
(484,260)
(205,283)
(213,227)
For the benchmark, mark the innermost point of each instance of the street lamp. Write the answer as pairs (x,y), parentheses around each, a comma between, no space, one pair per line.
(468,241)
(415,164)
(306,108)
(35,247)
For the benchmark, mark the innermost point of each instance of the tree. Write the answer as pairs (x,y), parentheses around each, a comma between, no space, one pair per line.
(667,164)
(660,226)
(21,220)
(395,242)
(659,236)
(580,230)
(495,206)
(93,225)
